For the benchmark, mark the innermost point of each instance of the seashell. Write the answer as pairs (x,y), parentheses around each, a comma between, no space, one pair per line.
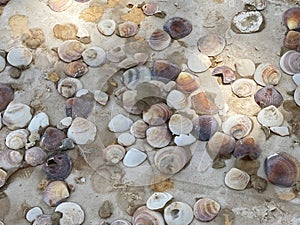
(247,146)
(76,69)
(226,72)
(83,36)
(43,219)
(58,166)
(119,123)
(72,213)
(297,96)
(282,169)
(33,213)
(55,193)
(17,139)
(107,27)
(64,123)
(159,40)
(178,27)
(121,222)
(296,79)
(59,5)
(179,124)
(268,96)
(282,131)
(127,63)
(101,97)
(94,56)
(129,102)
(7,95)
(267,74)
(270,117)
(211,44)
(184,140)
(19,57)
(170,160)
(16,115)
(237,125)
(134,158)
(3,176)
(52,139)
(114,153)
(203,105)
(292,40)
(143,215)
(157,114)
(39,121)
(138,129)
(2,63)
(141,57)
(67,144)
(206,209)
(158,200)
(244,67)
(176,100)
(35,156)
(243,87)
(236,179)
(178,213)
(127,29)
(67,87)
(116,54)
(258,4)
(198,62)
(70,50)
(149,9)
(290,62)
(81,92)
(246,22)
(79,107)
(65,31)
(205,127)
(165,71)
(126,139)
(82,131)
(10,159)
(158,137)
(291,18)
(186,82)
(220,145)
(136,75)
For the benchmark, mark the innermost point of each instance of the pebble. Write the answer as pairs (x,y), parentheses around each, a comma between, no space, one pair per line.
(101,97)
(134,158)
(33,213)
(126,139)
(120,123)
(39,121)
(105,210)
(64,123)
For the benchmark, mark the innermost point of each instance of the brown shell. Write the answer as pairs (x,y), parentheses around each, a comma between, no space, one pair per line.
(203,105)
(165,71)
(291,18)
(247,147)
(206,209)
(267,74)
(157,114)
(178,27)
(211,44)
(58,166)
(76,69)
(205,127)
(159,40)
(226,72)
(268,96)
(6,95)
(52,139)
(55,193)
(70,50)
(186,82)
(127,29)
(292,40)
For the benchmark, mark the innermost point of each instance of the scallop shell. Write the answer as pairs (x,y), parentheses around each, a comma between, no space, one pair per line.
(176,100)
(157,114)
(3,176)
(198,62)
(211,44)
(76,69)
(203,105)
(58,166)
(33,213)
(17,139)
(171,159)
(107,27)
(79,107)
(136,75)
(206,209)
(297,96)
(178,27)
(17,115)
(138,129)
(268,96)
(35,156)
(158,200)
(292,40)
(226,72)
(19,57)
(186,82)
(116,54)
(244,67)
(158,137)
(52,139)
(72,213)
(94,56)
(55,193)
(114,153)
(290,62)
(59,5)
(184,140)
(205,127)
(127,29)
(70,50)
(243,87)
(10,159)
(178,213)
(120,222)
(143,215)
(165,71)
(246,22)
(38,122)
(291,18)
(159,40)
(134,158)
(179,124)
(7,95)
(247,146)
(267,74)
(237,125)
(119,123)
(270,117)
(236,179)
(43,219)
(282,169)
(149,9)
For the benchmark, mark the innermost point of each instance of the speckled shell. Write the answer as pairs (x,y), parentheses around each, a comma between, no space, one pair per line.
(268,96)
(291,18)
(270,116)
(226,72)
(292,40)
(121,222)
(247,146)
(72,213)
(165,71)
(114,153)
(205,127)
(198,62)
(70,50)
(203,105)
(44,219)
(206,209)
(55,193)
(179,124)
(94,56)
(171,159)
(3,176)
(157,114)
(244,67)
(158,137)
(243,87)
(186,82)
(158,200)
(107,27)
(76,69)
(139,128)
(52,139)
(178,27)
(19,57)
(127,29)
(178,213)
(236,179)
(297,96)
(10,159)
(136,75)
(282,169)
(143,215)
(6,95)
(211,44)
(17,139)
(267,74)
(79,107)
(176,100)
(290,62)
(149,9)
(58,166)
(159,40)
(237,125)
(35,156)
(59,5)
(246,22)
(17,115)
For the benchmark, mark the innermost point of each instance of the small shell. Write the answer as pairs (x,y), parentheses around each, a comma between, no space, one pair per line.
(178,27)
(116,54)
(35,156)
(198,62)
(72,213)
(270,116)
(16,115)
(184,140)
(178,213)
(101,97)
(290,62)
(55,193)
(3,176)
(246,22)
(64,123)
(134,158)
(268,96)
(149,9)
(296,79)
(136,75)
(282,169)
(244,67)
(176,100)
(226,72)
(107,27)
(291,18)
(59,5)
(126,139)
(292,40)
(67,87)
(43,219)
(70,50)
(158,200)
(83,35)
(203,105)
(58,166)
(2,63)
(267,74)
(158,137)
(79,107)
(94,56)
(38,122)
(143,215)
(119,123)
(52,139)
(297,96)
(206,209)
(114,153)
(33,213)
(211,44)
(17,139)
(282,131)
(165,71)
(10,159)
(138,129)
(171,159)
(120,222)
(76,69)
(237,125)
(243,87)
(205,127)
(186,82)
(159,40)
(129,102)
(157,114)
(247,147)
(236,179)
(179,124)
(19,57)
(127,29)
(7,95)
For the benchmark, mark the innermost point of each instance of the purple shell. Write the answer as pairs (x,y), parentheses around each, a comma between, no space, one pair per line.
(268,96)
(165,71)
(178,27)
(58,166)
(205,127)
(247,147)
(52,139)
(6,96)
(79,107)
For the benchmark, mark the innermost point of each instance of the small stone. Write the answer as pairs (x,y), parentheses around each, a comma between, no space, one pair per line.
(120,123)
(101,97)
(126,139)
(64,123)
(33,213)
(105,210)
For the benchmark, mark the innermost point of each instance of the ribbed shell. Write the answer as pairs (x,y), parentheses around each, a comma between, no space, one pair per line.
(267,74)
(17,139)
(138,129)
(176,100)
(150,8)
(203,105)
(158,137)
(134,76)
(292,40)
(159,40)
(114,153)
(6,95)
(127,29)
(17,115)
(236,179)
(59,5)
(10,159)
(70,50)
(58,166)
(206,209)
(165,71)
(268,96)
(243,87)
(55,193)
(157,114)
(205,127)
(145,216)
(290,62)
(178,27)
(186,82)
(237,125)
(247,147)
(291,18)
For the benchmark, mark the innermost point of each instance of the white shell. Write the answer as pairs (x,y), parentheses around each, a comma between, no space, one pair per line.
(179,124)
(72,213)
(237,125)
(184,139)
(33,213)
(297,96)
(67,87)
(126,139)
(82,131)
(120,123)
(176,99)
(270,117)
(134,158)
(64,123)
(158,136)
(19,57)
(178,213)
(2,63)
(247,22)
(244,87)
(16,115)
(10,159)
(198,62)
(17,139)
(296,78)
(82,33)
(94,56)
(267,74)
(244,67)
(282,131)
(40,120)
(107,27)
(3,176)
(81,92)
(101,97)
(237,179)
(158,200)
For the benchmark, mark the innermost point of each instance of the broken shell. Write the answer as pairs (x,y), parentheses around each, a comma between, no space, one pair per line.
(7,95)
(136,75)
(138,129)
(52,139)
(114,153)
(184,140)
(244,67)
(55,193)
(211,44)
(291,18)
(127,29)
(205,127)
(67,87)
(165,71)
(16,115)
(79,107)
(290,62)
(267,74)
(129,102)
(143,215)
(179,124)
(282,131)
(126,139)
(19,57)
(65,31)
(33,213)
(39,121)
(121,222)
(237,125)
(236,179)
(157,114)
(198,62)
(58,166)
(268,96)
(297,96)
(119,123)
(206,209)
(203,105)
(178,213)
(158,200)
(226,72)
(243,87)
(10,159)
(178,27)
(246,22)
(107,27)
(282,169)
(292,40)
(159,40)
(247,147)
(3,176)
(116,54)
(82,131)
(35,156)
(176,100)
(59,5)
(94,56)
(70,50)
(43,219)
(171,159)
(134,158)
(149,9)
(158,137)
(72,213)
(186,82)
(76,69)
(270,117)
(17,139)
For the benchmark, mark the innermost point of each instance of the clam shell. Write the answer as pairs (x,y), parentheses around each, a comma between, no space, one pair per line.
(243,87)
(19,57)
(246,22)
(3,176)
(158,137)
(149,9)
(290,62)
(129,102)
(35,156)
(179,124)
(170,160)
(127,29)
(126,139)
(134,158)
(205,127)
(236,179)
(237,125)
(119,123)
(159,40)
(10,159)
(158,200)
(64,123)
(114,153)
(292,40)
(116,54)
(101,97)
(178,27)
(184,140)
(82,131)
(268,96)
(206,209)
(282,169)
(72,213)
(198,62)
(178,213)
(38,122)
(267,74)
(157,114)
(67,87)
(59,5)
(120,222)
(143,215)
(17,139)
(186,82)
(203,105)
(33,213)
(52,139)
(7,95)
(244,67)
(247,146)
(58,166)
(70,50)
(138,129)
(291,18)
(270,117)
(226,72)
(79,107)
(16,115)
(76,69)
(211,44)
(107,27)
(134,76)
(94,56)
(165,71)
(43,219)
(55,193)
(176,100)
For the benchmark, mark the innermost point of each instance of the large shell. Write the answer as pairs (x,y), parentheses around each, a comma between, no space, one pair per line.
(55,193)
(52,139)
(178,27)
(178,213)
(186,82)
(72,213)
(6,95)
(157,114)
(246,22)
(158,137)
(171,159)
(17,139)
(198,62)
(3,176)
(292,40)
(119,123)
(176,99)
(290,62)
(70,50)
(107,27)
(243,87)
(38,122)
(244,67)
(236,179)
(79,107)
(226,72)
(206,209)
(19,57)
(35,156)
(158,200)
(179,124)
(76,69)
(268,96)
(291,18)
(143,215)
(58,166)
(10,159)
(114,153)
(94,56)
(59,5)
(17,115)
(247,146)
(203,105)
(205,127)
(297,96)
(282,169)
(267,74)
(139,128)
(165,71)
(136,75)
(127,29)
(159,40)
(211,44)
(270,117)
(237,125)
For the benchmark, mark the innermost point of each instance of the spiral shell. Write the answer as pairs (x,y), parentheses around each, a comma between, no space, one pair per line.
(186,82)
(291,18)
(52,139)
(114,153)
(143,215)
(243,87)
(176,100)
(226,72)
(107,27)
(290,62)
(19,57)
(17,139)
(267,74)
(157,114)
(158,137)
(70,50)
(127,29)
(159,40)
(244,67)
(55,193)
(59,5)
(206,209)
(17,115)
(165,71)
(72,213)
(76,69)
(236,179)
(10,159)
(292,40)
(203,105)
(205,127)
(211,44)
(178,27)
(35,156)
(158,200)
(138,129)
(268,96)
(178,213)
(179,124)
(247,146)
(58,166)
(94,56)
(237,125)
(6,95)
(270,117)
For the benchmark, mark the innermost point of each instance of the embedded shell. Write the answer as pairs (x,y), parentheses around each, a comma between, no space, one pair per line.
(39,121)
(136,75)
(120,222)
(107,27)
(198,62)
(206,209)
(17,139)
(134,157)
(268,96)
(7,95)
(237,125)
(158,200)
(3,176)
(246,22)
(236,179)
(267,74)
(10,159)
(244,67)
(119,123)
(19,57)
(270,116)
(138,129)
(178,27)
(76,69)
(291,18)
(157,114)
(205,127)
(67,87)
(203,105)
(176,99)
(94,56)
(52,139)
(186,82)
(35,156)
(158,136)
(70,50)
(178,213)
(72,213)
(226,72)
(127,29)
(297,96)
(16,115)
(247,146)
(59,5)
(243,87)
(159,40)
(290,62)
